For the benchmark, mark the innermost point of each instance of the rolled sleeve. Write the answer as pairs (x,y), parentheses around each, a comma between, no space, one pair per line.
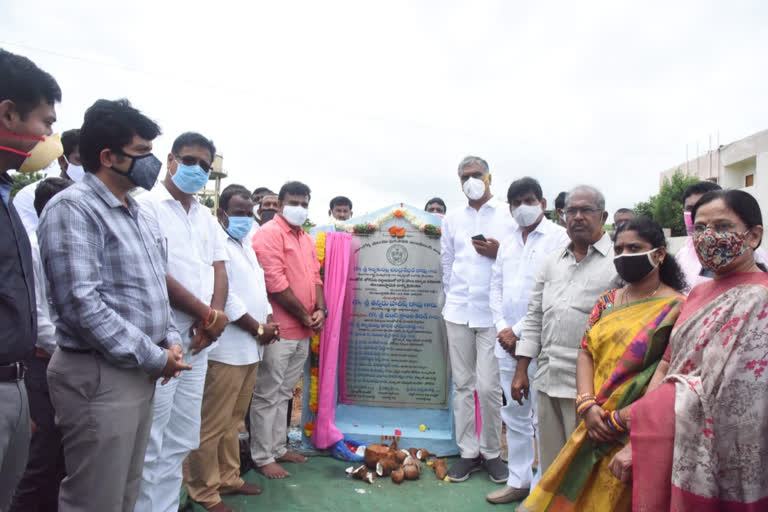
(269,250)
(72,250)
(530,343)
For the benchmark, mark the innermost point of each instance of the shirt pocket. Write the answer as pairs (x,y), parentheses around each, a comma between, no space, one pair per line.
(585,300)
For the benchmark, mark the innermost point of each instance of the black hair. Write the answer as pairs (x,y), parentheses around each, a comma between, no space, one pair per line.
(70,139)
(294,188)
(523,186)
(187,139)
(743,204)
(340,201)
(701,187)
(48,188)
(231,191)
(649,230)
(111,125)
(262,190)
(438,201)
(625,210)
(560,200)
(25,84)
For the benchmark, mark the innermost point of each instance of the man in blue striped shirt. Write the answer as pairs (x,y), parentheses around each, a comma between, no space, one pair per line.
(105,261)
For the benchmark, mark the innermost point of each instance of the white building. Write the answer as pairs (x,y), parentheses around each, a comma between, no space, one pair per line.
(742,164)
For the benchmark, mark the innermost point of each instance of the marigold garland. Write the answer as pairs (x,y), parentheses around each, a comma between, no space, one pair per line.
(400,213)
(314,346)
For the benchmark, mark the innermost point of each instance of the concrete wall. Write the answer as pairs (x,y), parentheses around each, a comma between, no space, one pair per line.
(729,166)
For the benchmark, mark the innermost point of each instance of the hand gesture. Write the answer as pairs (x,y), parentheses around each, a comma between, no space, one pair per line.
(596,427)
(173,365)
(271,333)
(520,387)
(621,464)
(201,339)
(508,340)
(216,328)
(318,320)
(488,248)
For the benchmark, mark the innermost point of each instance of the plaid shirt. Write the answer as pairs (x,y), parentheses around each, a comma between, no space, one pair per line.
(106,267)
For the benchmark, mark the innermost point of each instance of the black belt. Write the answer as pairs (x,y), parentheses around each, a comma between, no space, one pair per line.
(11,372)
(78,350)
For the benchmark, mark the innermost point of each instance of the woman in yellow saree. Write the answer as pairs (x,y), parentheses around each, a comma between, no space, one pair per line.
(626,337)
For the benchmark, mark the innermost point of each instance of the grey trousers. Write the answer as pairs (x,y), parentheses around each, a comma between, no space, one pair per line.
(14,438)
(104,414)
(279,372)
(557,421)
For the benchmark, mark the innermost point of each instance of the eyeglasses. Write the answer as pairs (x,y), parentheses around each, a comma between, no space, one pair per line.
(573,211)
(718,227)
(193,160)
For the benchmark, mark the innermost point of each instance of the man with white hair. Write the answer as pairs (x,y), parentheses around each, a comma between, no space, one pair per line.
(566,288)
(469,245)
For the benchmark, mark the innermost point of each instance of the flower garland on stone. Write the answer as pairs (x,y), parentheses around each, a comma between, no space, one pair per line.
(314,347)
(366,229)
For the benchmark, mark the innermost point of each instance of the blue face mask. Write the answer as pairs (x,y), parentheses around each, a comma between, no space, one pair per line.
(189,178)
(239,227)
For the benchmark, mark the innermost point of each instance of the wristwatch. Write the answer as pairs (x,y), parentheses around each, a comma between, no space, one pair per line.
(260,330)
(325,311)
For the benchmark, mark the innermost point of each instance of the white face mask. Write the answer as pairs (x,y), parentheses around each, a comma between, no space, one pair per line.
(474,188)
(526,214)
(75,172)
(256,212)
(295,215)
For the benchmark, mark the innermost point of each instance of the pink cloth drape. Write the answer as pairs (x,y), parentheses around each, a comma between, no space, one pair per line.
(337,257)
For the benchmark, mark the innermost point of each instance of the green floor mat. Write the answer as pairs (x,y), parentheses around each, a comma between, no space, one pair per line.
(322,484)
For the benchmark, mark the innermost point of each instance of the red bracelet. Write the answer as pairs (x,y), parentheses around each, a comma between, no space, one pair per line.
(208,320)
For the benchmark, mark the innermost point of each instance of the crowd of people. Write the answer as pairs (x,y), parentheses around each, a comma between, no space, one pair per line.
(145,335)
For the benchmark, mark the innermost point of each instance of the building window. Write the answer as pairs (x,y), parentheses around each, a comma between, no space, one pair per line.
(749,180)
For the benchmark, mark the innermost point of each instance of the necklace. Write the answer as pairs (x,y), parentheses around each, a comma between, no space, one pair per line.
(625,295)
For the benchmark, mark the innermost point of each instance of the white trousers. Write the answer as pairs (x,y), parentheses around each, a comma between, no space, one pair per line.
(279,372)
(474,368)
(522,424)
(175,433)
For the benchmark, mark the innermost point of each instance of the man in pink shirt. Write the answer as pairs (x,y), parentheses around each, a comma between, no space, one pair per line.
(292,275)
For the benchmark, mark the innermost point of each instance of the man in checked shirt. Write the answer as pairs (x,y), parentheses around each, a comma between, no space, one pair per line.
(105,262)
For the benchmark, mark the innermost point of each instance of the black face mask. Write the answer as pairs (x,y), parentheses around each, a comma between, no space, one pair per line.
(267,215)
(634,267)
(143,170)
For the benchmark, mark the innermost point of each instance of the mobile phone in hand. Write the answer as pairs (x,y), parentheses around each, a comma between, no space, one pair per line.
(480,238)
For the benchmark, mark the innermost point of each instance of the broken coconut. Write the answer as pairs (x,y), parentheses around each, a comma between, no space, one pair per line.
(441,468)
(401,455)
(411,472)
(374,453)
(386,465)
(398,476)
(423,454)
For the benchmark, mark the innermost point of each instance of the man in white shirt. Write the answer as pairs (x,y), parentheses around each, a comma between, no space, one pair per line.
(71,169)
(512,279)
(232,362)
(469,245)
(197,289)
(566,287)
(39,487)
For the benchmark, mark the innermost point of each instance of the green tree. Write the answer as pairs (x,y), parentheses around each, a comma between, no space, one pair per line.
(666,207)
(22,180)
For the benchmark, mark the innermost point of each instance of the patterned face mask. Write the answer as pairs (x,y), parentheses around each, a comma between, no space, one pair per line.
(718,249)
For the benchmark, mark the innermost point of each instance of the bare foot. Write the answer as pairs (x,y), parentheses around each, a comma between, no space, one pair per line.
(292,457)
(273,470)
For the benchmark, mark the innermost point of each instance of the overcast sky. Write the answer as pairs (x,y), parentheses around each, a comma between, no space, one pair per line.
(380,101)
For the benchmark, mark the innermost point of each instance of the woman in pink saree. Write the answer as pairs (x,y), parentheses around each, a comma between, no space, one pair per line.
(699,440)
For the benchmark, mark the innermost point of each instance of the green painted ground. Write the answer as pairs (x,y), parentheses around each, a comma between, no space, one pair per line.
(321,484)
